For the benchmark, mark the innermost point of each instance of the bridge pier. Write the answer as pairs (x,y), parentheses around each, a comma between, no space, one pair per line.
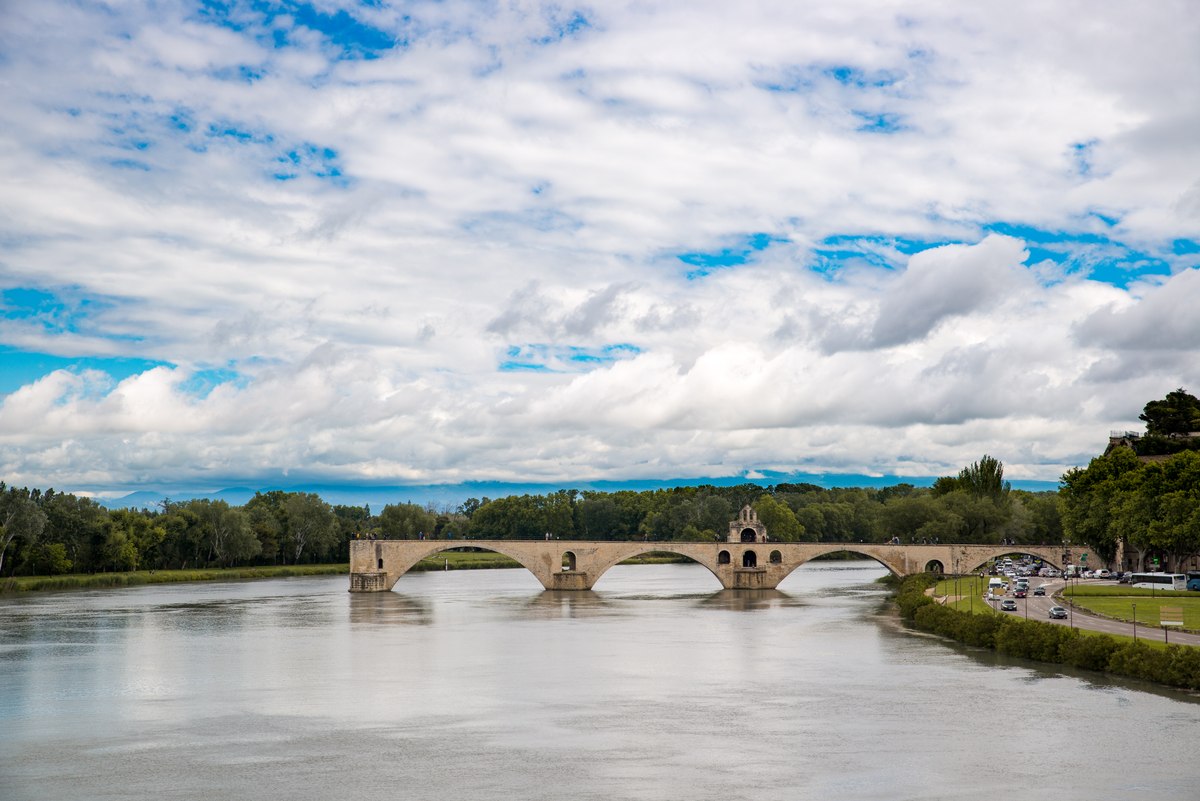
(749,578)
(571,580)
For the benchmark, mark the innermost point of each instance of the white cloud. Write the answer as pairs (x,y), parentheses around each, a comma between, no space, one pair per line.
(477,191)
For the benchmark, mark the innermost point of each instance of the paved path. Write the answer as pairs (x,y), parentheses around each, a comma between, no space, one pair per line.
(1038,608)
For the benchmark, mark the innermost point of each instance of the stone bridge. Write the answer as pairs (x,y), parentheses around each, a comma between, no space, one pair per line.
(376,565)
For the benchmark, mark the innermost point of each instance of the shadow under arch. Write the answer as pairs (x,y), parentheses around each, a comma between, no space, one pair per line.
(640,549)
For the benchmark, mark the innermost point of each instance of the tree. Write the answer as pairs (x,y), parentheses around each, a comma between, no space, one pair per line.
(1178,413)
(310,524)
(78,524)
(779,519)
(19,517)
(406,521)
(984,478)
(919,516)
(226,531)
(131,540)
(1100,505)
(50,559)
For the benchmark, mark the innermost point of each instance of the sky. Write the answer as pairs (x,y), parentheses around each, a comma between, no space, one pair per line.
(258,244)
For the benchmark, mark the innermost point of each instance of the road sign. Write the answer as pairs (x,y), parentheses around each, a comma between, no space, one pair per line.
(1170,616)
(1083,557)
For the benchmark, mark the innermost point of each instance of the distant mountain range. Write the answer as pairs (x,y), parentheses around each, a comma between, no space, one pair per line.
(451,495)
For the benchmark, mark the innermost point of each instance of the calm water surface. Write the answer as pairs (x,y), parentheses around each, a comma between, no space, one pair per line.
(479,685)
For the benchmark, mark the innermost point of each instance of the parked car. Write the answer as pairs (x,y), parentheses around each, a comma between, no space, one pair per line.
(1125,578)
(1008,605)
(1057,613)
(1039,590)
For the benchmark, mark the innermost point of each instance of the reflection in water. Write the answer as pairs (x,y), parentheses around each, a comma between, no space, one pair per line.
(560,604)
(749,600)
(387,608)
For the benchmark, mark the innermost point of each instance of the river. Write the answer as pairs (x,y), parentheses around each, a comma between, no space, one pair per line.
(472,685)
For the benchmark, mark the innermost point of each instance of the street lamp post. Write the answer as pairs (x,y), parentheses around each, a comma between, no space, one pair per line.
(1135,622)
(954,564)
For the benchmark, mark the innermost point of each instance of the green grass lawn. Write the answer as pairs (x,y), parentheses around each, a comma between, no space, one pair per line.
(1148,609)
(970,591)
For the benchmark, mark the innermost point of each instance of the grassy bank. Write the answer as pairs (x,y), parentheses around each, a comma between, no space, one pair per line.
(1171,665)
(140,577)
(1123,603)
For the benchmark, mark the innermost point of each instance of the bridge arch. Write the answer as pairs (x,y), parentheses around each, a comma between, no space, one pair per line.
(396,568)
(876,553)
(1050,554)
(686,550)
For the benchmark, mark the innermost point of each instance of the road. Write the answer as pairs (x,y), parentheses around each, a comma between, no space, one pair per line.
(1038,608)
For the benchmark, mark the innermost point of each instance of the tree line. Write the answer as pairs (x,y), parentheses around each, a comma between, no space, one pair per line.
(51,533)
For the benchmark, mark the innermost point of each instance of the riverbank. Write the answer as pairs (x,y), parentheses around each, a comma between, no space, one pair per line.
(140,577)
(1170,665)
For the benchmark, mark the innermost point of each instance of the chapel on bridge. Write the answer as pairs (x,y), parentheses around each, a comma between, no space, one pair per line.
(747,527)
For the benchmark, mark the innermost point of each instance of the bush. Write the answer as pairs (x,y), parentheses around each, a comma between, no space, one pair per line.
(1090,653)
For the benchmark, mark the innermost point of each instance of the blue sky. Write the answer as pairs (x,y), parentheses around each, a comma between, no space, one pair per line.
(433,243)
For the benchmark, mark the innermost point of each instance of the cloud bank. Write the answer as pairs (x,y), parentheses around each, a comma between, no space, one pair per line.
(419,243)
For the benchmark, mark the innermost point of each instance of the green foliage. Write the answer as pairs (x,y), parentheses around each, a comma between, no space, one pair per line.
(310,524)
(406,521)
(50,559)
(1155,507)
(20,518)
(1178,413)
(779,519)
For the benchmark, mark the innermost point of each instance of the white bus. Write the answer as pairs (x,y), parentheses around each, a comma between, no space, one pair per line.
(1159,581)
